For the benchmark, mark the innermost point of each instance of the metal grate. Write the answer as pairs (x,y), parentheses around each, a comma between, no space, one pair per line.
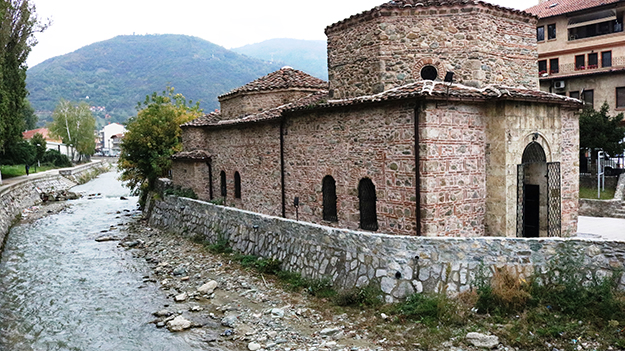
(329,199)
(533,153)
(553,199)
(520,220)
(367,197)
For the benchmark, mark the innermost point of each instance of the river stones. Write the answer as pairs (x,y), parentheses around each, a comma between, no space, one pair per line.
(179,324)
(208,288)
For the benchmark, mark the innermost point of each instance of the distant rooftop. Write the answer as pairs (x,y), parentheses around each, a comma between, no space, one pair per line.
(552,8)
(284,78)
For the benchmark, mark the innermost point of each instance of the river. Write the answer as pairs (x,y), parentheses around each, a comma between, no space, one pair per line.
(62,290)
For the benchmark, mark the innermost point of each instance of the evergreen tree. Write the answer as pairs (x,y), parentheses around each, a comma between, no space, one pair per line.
(18,23)
(598,130)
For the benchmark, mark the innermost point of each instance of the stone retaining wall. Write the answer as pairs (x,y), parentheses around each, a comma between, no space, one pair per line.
(22,194)
(400,265)
(604,208)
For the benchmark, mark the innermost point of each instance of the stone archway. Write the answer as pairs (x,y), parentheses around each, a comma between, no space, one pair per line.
(538,194)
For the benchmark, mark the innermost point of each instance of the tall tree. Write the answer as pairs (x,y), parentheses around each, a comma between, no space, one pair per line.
(39,143)
(28,116)
(18,24)
(598,130)
(75,125)
(153,136)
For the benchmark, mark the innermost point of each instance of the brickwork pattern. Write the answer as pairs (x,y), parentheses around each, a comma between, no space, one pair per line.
(480,44)
(375,141)
(453,170)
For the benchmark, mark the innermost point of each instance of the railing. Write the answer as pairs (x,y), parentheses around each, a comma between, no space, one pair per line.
(568,68)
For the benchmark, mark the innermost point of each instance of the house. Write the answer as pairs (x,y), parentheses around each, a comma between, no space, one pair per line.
(51,142)
(581,50)
(429,125)
(111,136)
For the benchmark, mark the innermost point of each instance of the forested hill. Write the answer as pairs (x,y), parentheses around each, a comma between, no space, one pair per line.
(114,75)
(309,56)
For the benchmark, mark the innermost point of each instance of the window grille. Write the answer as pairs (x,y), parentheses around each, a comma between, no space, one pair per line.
(224,189)
(329,199)
(237,185)
(367,197)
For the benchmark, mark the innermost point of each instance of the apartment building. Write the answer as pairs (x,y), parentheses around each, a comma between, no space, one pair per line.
(581,50)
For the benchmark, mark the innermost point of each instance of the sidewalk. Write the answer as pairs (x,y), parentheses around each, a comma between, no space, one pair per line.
(9,181)
(605,228)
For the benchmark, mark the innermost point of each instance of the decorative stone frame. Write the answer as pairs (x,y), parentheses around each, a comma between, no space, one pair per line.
(540,139)
(427,61)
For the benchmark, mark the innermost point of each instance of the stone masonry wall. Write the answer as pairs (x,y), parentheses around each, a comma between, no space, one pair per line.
(453,177)
(374,141)
(399,265)
(248,103)
(254,152)
(388,48)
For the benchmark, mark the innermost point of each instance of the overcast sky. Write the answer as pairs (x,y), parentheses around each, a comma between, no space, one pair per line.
(229,23)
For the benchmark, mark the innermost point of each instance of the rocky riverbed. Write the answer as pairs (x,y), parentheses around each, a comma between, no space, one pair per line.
(238,308)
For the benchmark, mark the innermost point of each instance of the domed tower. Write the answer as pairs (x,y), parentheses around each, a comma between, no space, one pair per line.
(404,41)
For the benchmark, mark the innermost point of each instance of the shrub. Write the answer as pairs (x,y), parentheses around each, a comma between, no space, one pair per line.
(431,309)
(57,159)
(366,296)
(507,293)
(181,192)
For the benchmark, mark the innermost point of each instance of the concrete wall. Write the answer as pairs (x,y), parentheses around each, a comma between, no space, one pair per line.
(22,194)
(399,265)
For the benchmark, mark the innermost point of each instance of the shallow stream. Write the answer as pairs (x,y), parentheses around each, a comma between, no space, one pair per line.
(62,290)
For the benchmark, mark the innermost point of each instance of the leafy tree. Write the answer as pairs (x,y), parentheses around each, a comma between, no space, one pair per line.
(598,130)
(18,23)
(39,143)
(28,116)
(75,125)
(153,136)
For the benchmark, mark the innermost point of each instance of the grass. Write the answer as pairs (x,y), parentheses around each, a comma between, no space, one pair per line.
(564,307)
(10,171)
(591,193)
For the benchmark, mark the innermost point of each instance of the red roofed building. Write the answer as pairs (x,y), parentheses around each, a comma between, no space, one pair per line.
(581,50)
(429,125)
(51,142)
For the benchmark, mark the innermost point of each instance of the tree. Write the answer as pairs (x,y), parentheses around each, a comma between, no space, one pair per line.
(18,24)
(28,116)
(153,136)
(39,143)
(75,125)
(597,130)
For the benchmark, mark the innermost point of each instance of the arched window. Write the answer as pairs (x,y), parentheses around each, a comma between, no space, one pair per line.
(237,185)
(329,199)
(224,189)
(368,214)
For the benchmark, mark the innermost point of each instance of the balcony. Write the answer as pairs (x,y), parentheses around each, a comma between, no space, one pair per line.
(568,69)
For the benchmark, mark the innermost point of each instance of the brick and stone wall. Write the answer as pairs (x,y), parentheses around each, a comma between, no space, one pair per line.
(249,103)
(372,141)
(251,150)
(399,265)
(387,47)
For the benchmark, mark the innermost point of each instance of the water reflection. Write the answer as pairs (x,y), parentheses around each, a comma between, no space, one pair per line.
(61,290)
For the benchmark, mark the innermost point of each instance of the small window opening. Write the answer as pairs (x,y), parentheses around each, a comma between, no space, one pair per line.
(593,60)
(540,33)
(329,199)
(620,97)
(580,62)
(429,72)
(237,185)
(551,31)
(554,65)
(367,200)
(224,189)
(606,59)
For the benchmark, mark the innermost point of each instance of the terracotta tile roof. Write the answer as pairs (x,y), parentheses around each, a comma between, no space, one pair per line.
(195,155)
(551,8)
(283,78)
(29,134)
(456,92)
(424,3)
(204,120)
(270,114)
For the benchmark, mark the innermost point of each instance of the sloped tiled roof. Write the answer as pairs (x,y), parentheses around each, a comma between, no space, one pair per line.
(204,120)
(29,134)
(453,92)
(552,8)
(270,114)
(283,78)
(423,3)
(195,155)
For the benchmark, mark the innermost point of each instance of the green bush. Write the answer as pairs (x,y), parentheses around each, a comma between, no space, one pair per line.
(366,296)
(430,309)
(53,157)
(181,192)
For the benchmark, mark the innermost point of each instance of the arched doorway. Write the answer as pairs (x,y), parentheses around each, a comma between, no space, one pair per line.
(538,194)
(367,200)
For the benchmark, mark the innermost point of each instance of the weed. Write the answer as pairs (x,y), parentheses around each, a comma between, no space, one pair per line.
(181,192)
(507,293)
(221,246)
(369,296)
(219,201)
(430,309)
